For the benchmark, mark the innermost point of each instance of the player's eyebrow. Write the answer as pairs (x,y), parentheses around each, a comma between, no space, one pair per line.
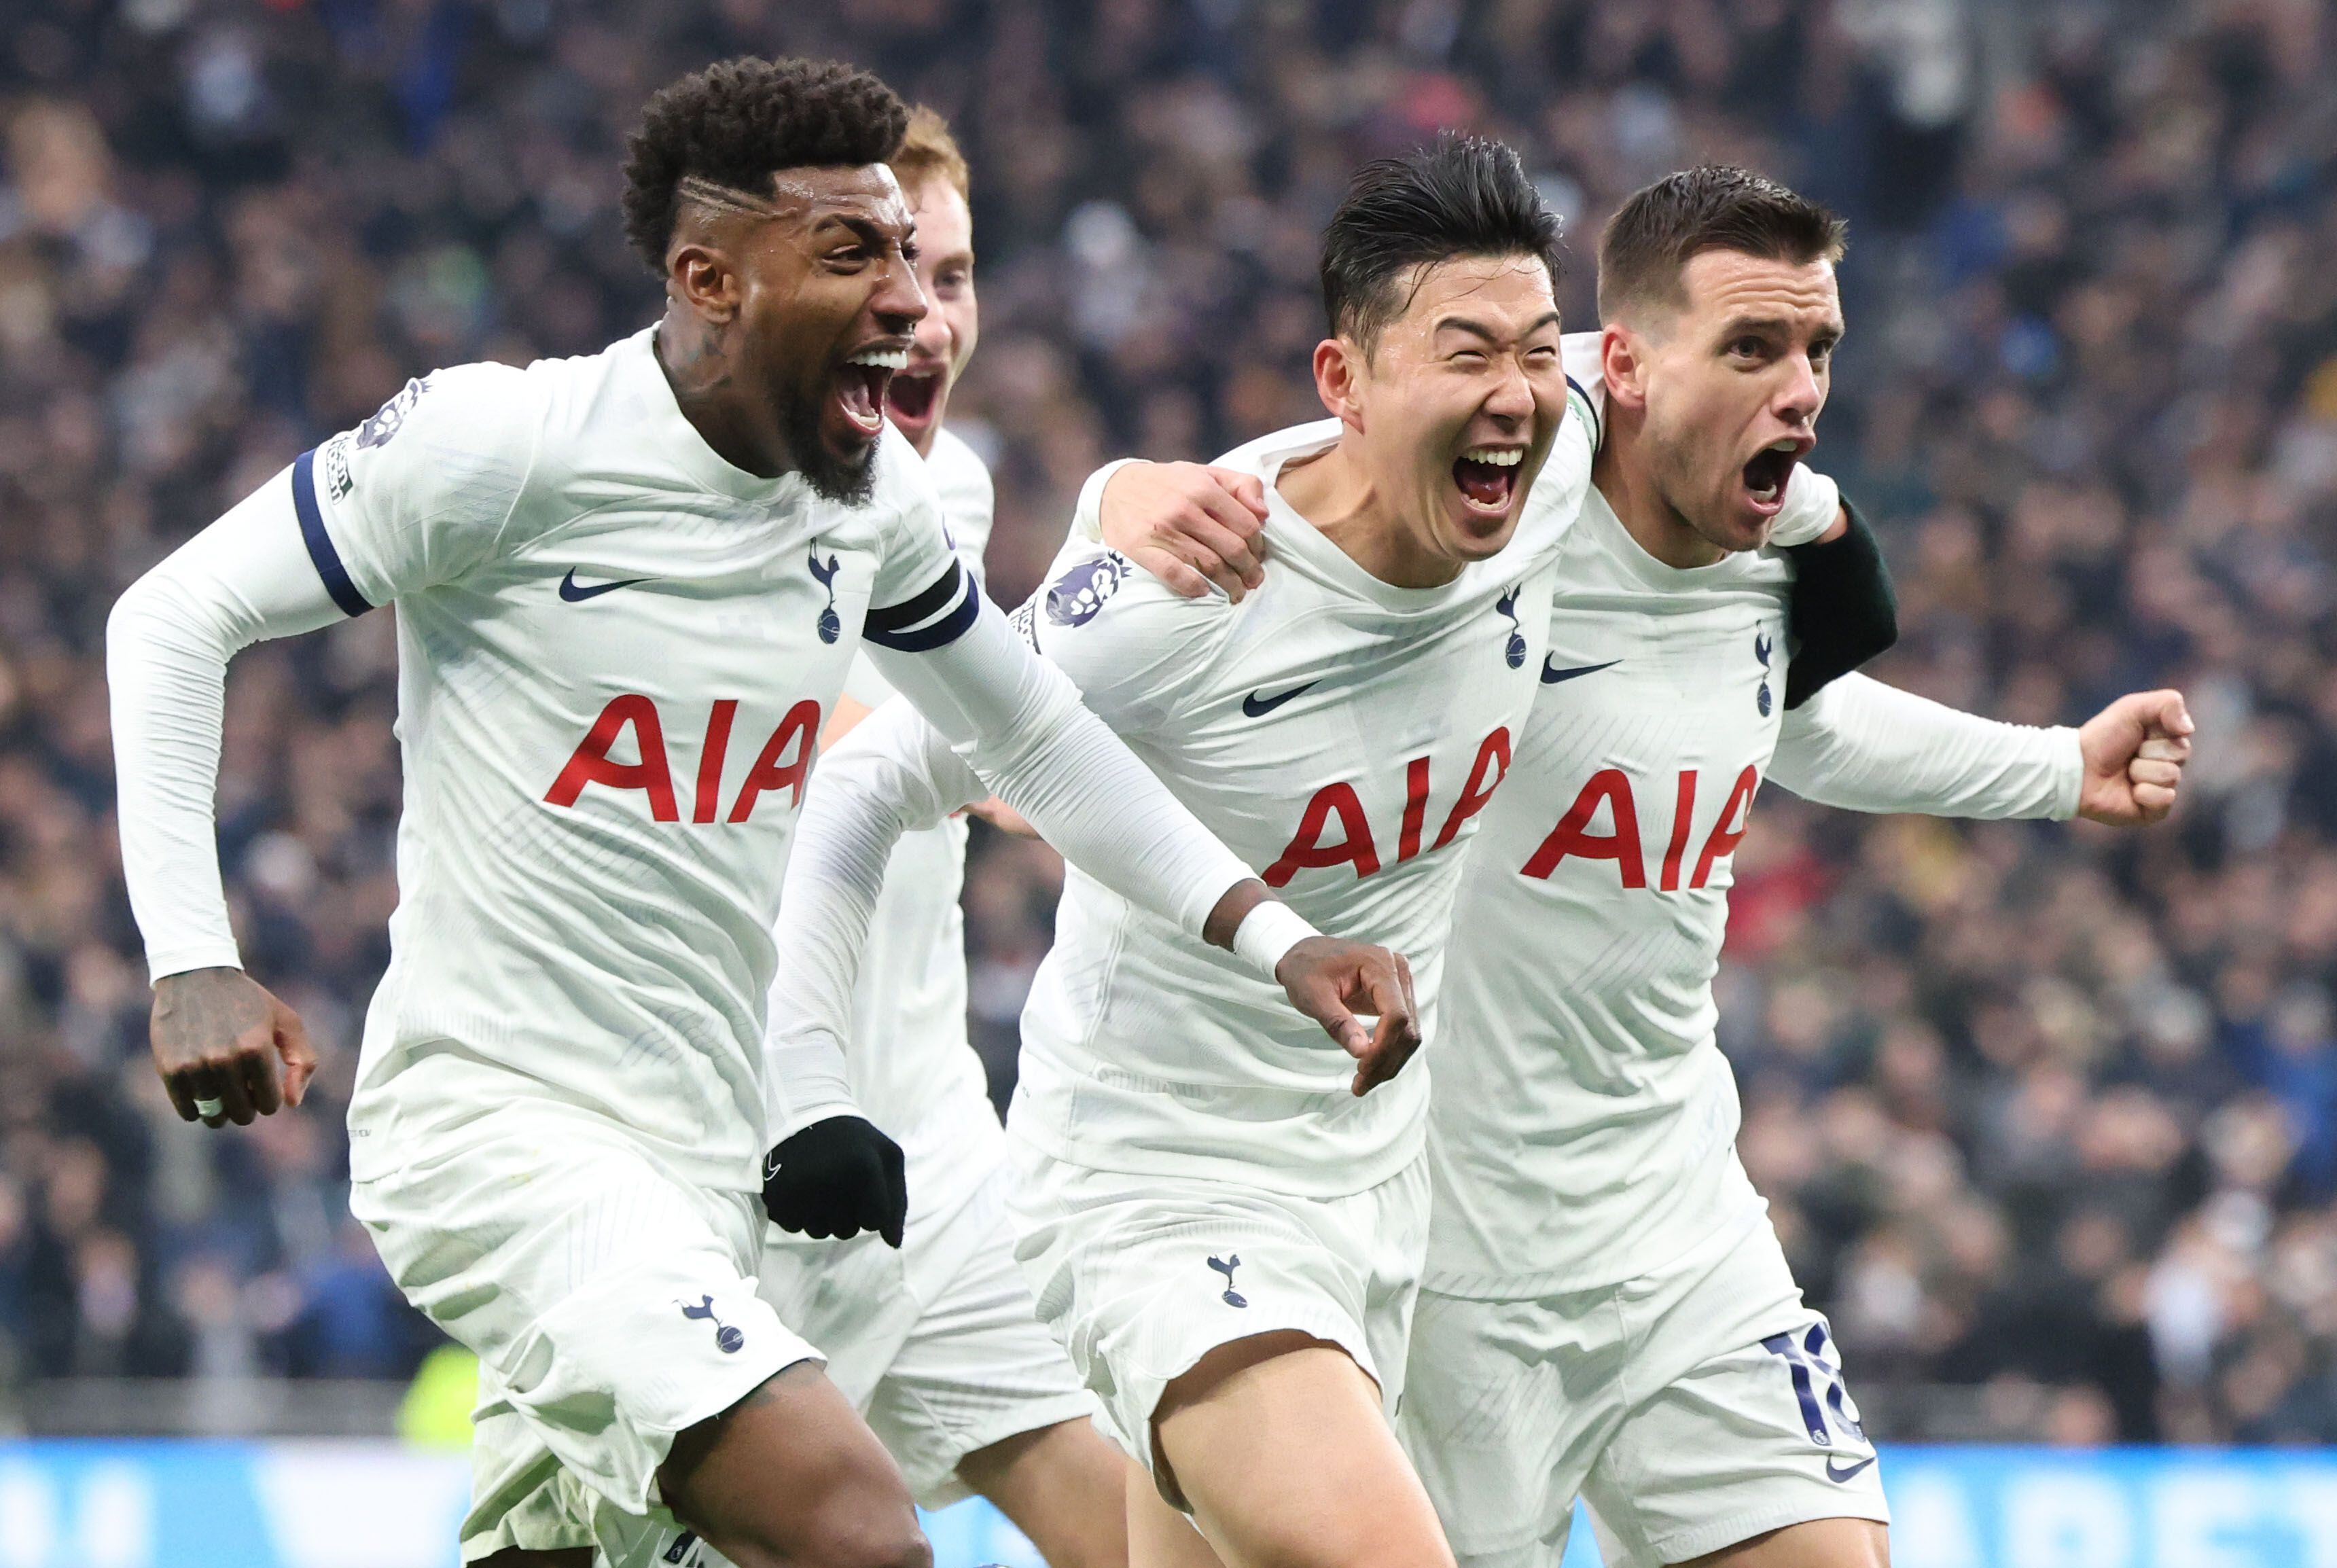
(1776,327)
(871,232)
(1479,330)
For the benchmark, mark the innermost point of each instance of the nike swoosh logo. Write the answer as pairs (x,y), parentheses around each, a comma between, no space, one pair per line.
(1844,1472)
(1551,675)
(1254,706)
(573,594)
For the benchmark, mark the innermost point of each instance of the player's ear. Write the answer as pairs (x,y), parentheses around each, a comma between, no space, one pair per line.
(701,277)
(1337,368)
(1623,364)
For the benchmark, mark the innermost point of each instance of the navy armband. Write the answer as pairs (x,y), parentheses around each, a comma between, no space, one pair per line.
(322,553)
(937,617)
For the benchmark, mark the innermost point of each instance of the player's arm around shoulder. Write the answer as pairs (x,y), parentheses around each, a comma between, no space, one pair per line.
(1195,526)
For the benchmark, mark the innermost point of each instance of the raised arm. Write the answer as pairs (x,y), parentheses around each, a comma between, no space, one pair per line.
(1868,747)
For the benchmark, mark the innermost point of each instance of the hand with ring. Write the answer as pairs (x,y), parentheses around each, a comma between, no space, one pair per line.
(219,1036)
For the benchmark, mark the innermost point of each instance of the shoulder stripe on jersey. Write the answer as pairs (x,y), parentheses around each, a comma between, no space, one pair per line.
(891,628)
(321,551)
(1589,413)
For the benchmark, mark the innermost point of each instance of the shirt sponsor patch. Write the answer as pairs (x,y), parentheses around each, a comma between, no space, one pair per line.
(1075,598)
(390,417)
(338,480)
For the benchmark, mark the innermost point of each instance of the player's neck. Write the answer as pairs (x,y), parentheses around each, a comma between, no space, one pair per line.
(1624,477)
(739,426)
(1335,494)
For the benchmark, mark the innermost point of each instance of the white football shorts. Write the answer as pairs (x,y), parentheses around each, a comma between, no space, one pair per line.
(610,1304)
(939,1344)
(1139,1277)
(1691,1408)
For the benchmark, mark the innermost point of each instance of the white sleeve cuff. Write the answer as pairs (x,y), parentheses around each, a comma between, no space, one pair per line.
(160,964)
(1267,933)
(2068,762)
(1087,522)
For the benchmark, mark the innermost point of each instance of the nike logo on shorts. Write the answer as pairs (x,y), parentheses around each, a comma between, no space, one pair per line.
(574,594)
(1551,675)
(1257,706)
(1844,1472)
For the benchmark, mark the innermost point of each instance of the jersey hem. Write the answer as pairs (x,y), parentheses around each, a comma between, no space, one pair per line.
(1496,1285)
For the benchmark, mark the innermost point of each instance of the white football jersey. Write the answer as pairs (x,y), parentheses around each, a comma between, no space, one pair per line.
(910,1051)
(616,655)
(1342,736)
(1584,1125)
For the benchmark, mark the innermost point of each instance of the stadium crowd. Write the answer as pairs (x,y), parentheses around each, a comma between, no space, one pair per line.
(2043,1112)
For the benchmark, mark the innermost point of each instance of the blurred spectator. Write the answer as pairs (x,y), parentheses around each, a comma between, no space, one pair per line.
(2048,1112)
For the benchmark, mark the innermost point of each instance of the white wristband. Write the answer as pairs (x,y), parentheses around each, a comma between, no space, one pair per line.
(1270,930)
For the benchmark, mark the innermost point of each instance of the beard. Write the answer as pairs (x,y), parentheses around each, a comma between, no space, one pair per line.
(849,481)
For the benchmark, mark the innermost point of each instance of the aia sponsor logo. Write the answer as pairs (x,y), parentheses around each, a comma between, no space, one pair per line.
(1609,799)
(1337,807)
(631,722)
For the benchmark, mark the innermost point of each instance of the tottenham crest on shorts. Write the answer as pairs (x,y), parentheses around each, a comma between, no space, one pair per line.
(1075,598)
(726,1339)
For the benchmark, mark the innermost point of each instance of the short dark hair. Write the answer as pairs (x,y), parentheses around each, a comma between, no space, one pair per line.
(1654,234)
(738,121)
(1464,196)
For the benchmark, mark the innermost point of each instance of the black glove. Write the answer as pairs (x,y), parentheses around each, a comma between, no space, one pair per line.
(1843,610)
(837,1178)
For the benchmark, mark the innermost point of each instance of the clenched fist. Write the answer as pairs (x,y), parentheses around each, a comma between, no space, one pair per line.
(218,1035)
(2133,750)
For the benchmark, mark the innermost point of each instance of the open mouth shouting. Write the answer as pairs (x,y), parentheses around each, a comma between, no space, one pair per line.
(859,386)
(1488,478)
(915,397)
(1765,473)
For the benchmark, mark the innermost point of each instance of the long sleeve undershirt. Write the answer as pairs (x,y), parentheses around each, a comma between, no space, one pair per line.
(1865,746)
(244,579)
(892,775)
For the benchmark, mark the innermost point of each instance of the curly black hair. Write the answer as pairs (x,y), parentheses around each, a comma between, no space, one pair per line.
(738,121)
